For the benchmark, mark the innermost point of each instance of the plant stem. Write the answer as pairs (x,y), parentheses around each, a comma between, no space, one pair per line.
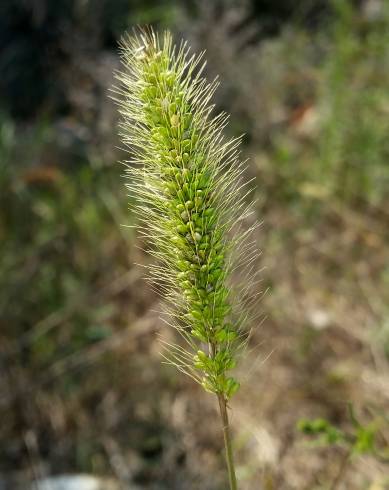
(227,441)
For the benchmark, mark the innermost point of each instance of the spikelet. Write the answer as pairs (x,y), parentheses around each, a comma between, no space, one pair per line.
(186,179)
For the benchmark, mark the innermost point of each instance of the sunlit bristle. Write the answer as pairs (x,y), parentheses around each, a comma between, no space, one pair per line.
(190,199)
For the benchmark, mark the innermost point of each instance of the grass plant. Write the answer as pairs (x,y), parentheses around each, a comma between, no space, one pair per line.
(191,199)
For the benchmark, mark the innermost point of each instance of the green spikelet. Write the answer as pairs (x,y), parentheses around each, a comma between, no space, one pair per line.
(186,180)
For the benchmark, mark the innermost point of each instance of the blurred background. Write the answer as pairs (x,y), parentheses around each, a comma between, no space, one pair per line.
(82,387)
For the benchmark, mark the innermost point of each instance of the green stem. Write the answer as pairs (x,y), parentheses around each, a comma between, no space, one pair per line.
(227,441)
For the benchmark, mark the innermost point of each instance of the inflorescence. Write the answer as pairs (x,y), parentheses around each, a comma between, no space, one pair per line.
(186,180)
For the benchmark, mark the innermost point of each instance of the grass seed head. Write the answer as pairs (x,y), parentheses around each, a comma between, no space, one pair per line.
(186,179)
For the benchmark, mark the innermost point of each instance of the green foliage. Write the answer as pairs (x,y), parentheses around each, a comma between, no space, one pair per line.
(327,433)
(186,179)
(362,439)
(353,146)
(152,12)
(333,149)
(50,223)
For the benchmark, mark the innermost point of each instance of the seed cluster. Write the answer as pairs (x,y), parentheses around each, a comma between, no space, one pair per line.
(182,196)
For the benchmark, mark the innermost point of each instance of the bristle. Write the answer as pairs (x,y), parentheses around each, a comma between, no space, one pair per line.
(190,199)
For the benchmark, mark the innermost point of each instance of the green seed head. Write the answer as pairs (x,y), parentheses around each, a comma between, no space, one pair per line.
(186,179)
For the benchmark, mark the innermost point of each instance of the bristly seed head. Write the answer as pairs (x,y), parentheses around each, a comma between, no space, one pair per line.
(186,180)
